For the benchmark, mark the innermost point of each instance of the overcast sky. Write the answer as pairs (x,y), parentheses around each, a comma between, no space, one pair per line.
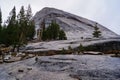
(105,12)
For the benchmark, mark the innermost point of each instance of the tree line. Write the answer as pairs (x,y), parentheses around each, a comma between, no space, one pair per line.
(18,28)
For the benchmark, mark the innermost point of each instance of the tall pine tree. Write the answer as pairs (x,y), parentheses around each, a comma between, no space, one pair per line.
(22,26)
(11,28)
(0,25)
(0,17)
(62,35)
(29,13)
(97,32)
(30,24)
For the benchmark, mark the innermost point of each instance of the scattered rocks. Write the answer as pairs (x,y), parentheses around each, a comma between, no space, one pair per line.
(72,59)
(93,53)
(29,68)
(17,79)
(75,76)
(10,73)
(20,70)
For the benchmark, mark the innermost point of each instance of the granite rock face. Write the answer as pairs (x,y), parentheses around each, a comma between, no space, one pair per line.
(74,26)
(63,67)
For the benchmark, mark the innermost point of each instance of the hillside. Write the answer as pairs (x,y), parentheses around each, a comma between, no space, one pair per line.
(74,26)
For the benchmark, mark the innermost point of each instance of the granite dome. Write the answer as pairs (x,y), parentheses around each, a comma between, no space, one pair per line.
(74,26)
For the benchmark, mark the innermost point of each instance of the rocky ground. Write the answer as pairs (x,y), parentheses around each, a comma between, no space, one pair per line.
(63,67)
(60,44)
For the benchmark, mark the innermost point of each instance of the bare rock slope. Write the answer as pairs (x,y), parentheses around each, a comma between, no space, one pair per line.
(74,26)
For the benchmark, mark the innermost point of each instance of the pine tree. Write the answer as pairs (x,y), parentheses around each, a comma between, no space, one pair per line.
(80,48)
(11,28)
(97,32)
(70,50)
(0,18)
(63,51)
(3,36)
(49,33)
(21,15)
(44,35)
(0,25)
(31,31)
(30,24)
(29,13)
(62,35)
(55,30)
(23,26)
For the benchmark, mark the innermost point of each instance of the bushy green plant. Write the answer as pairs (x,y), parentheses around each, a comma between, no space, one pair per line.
(81,49)
(63,51)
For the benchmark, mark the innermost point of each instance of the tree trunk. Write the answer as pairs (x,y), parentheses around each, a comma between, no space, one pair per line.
(14,48)
(18,48)
(3,57)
